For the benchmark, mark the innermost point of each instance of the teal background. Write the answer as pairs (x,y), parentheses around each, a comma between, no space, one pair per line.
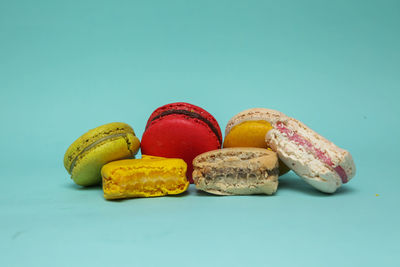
(68,66)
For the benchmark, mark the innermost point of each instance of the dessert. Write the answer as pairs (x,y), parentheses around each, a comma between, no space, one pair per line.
(85,157)
(318,161)
(146,177)
(181,130)
(236,171)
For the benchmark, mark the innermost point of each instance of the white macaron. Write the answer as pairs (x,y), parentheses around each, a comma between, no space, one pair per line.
(318,161)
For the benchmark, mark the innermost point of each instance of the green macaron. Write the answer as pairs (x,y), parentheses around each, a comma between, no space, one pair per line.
(85,157)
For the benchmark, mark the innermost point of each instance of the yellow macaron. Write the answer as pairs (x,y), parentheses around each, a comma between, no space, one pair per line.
(149,176)
(86,156)
(249,128)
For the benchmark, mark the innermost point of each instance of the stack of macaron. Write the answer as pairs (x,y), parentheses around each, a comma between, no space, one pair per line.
(182,144)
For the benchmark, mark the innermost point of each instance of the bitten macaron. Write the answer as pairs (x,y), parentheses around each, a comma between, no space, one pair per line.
(181,130)
(146,177)
(248,129)
(86,156)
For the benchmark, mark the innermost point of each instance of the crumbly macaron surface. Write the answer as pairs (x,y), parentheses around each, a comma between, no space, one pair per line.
(237,171)
(310,148)
(146,177)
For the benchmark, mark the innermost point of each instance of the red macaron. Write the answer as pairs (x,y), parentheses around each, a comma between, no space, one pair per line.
(181,130)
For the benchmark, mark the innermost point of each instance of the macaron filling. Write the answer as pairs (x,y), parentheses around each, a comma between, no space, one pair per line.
(237,174)
(248,134)
(190,114)
(101,140)
(309,147)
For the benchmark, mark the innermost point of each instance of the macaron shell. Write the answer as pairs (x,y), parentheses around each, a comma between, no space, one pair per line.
(178,136)
(328,181)
(324,180)
(188,107)
(87,170)
(92,136)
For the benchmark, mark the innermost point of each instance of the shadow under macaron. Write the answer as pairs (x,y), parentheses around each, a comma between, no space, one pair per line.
(184,194)
(200,193)
(84,188)
(287,182)
(83,191)
(291,182)
(99,188)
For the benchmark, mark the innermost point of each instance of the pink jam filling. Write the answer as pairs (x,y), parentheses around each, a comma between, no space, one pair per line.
(322,156)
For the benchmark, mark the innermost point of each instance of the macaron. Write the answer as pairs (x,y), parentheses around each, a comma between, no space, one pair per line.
(181,130)
(248,129)
(237,171)
(318,161)
(146,177)
(86,156)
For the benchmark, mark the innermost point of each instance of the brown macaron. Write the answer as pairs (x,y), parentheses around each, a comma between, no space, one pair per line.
(237,171)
